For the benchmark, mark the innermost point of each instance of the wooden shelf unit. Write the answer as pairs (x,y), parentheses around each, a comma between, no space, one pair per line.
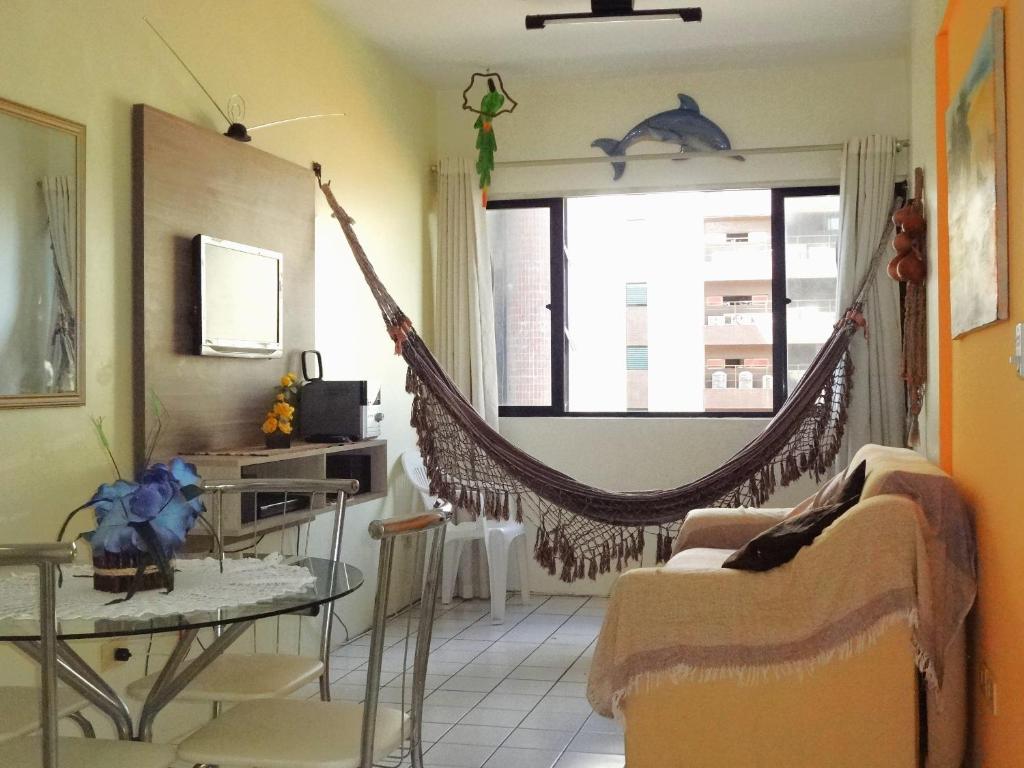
(302,461)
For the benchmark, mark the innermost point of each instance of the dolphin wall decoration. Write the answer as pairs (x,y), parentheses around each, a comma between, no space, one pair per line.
(684,126)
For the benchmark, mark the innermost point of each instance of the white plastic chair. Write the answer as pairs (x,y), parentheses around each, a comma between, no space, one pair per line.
(498,537)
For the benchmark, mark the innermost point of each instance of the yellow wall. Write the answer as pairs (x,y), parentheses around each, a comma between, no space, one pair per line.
(987,403)
(90,61)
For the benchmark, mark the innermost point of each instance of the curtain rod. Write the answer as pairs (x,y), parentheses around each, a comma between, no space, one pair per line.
(900,144)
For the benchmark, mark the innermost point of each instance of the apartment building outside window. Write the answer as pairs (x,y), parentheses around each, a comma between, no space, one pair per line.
(682,303)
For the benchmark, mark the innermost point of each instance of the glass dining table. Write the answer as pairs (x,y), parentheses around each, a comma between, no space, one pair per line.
(331,580)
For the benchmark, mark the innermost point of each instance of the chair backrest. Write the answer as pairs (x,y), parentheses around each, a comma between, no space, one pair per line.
(427,528)
(340,488)
(412,463)
(46,557)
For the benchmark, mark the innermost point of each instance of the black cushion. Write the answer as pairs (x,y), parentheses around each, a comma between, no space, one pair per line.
(780,543)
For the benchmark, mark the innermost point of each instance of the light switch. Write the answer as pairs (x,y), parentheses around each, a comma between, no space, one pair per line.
(1017,359)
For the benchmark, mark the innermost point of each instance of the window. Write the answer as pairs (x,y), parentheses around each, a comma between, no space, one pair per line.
(522,239)
(811,221)
(636,294)
(636,358)
(680,303)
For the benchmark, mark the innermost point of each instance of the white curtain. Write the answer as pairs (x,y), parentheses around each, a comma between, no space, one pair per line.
(62,212)
(876,413)
(464,315)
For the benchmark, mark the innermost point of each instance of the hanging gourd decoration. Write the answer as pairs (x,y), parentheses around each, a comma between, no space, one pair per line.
(908,265)
(491,105)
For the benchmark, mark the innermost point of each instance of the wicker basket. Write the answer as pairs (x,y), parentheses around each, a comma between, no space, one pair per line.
(116,572)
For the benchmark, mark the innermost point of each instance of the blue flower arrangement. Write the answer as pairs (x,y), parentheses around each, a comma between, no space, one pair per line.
(155,512)
(141,524)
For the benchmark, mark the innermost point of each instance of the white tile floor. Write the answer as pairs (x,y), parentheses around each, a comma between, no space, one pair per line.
(511,695)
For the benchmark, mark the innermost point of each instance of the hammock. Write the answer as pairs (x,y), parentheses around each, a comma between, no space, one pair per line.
(583,530)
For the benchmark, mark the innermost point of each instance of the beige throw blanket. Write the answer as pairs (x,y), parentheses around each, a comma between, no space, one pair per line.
(904,553)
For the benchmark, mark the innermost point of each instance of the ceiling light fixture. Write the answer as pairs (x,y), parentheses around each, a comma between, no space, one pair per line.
(613,10)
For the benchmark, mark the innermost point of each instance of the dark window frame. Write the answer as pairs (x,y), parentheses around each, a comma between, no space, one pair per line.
(780,301)
(559,313)
(557,308)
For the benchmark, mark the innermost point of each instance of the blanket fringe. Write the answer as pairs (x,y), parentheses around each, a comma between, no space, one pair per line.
(761,673)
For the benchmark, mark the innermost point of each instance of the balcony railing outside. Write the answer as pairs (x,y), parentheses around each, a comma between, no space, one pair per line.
(828,239)
(736,312)
(738,377)
(737,261)
(807,256)
(811,256)
(714,252)
(738,388)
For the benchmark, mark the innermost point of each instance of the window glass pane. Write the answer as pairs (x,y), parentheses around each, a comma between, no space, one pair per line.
(520,245)
(636,358)
(812,236)
(636,294)
(682,280)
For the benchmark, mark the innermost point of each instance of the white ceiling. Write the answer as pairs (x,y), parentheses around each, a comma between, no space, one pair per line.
(445,40)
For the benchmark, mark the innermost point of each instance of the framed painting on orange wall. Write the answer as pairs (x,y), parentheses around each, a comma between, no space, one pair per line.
(976,160)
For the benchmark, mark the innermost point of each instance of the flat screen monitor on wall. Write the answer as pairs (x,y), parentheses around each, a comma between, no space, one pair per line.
(240,299)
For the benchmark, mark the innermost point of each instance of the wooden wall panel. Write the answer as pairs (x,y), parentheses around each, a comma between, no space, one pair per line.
(187,181)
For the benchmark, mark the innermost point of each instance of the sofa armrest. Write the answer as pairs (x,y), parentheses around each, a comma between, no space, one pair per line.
(715,621)
(725,527)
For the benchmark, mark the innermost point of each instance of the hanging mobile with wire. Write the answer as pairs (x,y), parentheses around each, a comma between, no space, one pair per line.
(492,104)
(235,113)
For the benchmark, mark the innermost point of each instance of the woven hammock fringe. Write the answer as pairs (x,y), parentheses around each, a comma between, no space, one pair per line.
(554,546)
(576,543)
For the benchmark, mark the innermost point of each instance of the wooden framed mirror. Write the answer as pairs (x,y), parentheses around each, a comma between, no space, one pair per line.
(42,258)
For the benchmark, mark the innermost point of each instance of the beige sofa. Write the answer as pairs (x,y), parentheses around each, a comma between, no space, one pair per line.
(857,710)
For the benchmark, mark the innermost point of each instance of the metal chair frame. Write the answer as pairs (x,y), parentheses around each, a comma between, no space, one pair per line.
(46,557)
(177,674)
(387,531)
(171,682)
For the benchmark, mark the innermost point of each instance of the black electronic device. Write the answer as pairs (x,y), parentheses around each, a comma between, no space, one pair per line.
(336,411)
(352,466)
(259,506)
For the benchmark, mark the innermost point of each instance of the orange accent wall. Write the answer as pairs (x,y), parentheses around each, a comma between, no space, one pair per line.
(945,382)
(983,402)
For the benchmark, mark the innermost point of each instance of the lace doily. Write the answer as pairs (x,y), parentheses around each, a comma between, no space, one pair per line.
(198,586)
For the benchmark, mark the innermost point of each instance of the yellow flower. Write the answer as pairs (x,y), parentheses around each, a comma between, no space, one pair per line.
(286,427)
(283,410)
(288,379)
(270,425)
(280,398)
